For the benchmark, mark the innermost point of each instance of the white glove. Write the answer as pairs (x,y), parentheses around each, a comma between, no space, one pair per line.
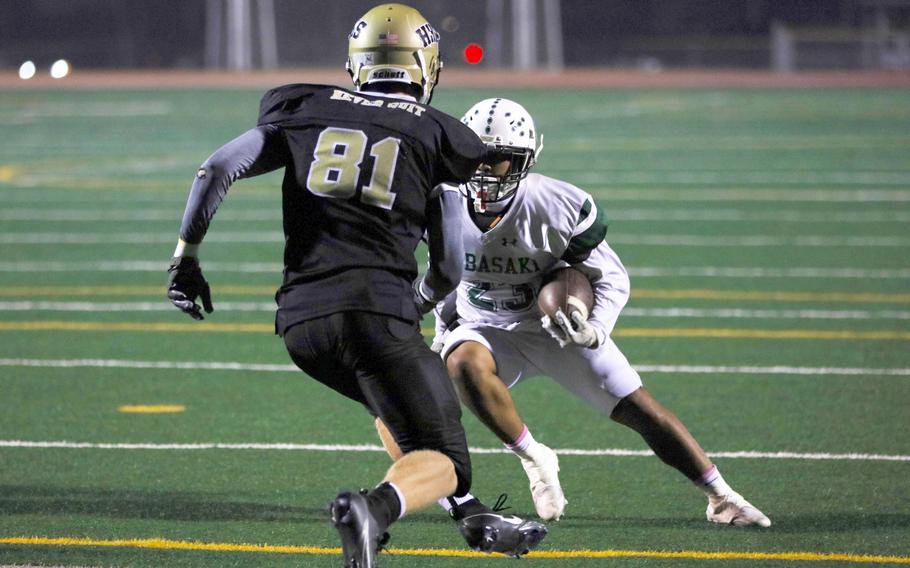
(442,331)
(424,304)
(582,333)
(554,330)
(437,345)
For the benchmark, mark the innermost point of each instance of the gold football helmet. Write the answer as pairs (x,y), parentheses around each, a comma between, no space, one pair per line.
(394,43)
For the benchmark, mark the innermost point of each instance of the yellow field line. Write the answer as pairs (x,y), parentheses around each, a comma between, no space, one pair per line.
(8,173)
(163,544)
(651,293)
(160,543)
(777,296)
(151,408)
(686,332)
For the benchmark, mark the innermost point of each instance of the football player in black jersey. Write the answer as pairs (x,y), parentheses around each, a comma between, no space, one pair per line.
(363,171)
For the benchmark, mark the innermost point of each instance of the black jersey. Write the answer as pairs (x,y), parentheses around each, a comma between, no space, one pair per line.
(360,170)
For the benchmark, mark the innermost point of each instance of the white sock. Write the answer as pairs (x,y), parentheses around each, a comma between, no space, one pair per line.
(525,446)
(448,503)
(712,483)
(404,505)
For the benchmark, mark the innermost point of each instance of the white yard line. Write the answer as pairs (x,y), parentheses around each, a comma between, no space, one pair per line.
(744,194)
(135,266)
(584,144)
(268,307)
(151,193)
(774,370)
(727,177)
(766,272)
(614,452)
(100,109)
(22,238)
(133,215)
(609,193)
(760,314)
(683,240)
(92,307)
(688,240)
(660,104)
(44,566)
(287,368)
(613,214)
(739,215)
(636,271)
(130,364)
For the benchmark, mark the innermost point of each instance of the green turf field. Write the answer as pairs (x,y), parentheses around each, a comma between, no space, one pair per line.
(766,233)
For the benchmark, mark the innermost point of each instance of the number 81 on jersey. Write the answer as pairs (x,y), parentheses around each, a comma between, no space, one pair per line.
(335,168)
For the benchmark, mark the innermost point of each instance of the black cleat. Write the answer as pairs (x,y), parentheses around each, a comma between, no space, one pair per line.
(361,535)
(506,534)
(486,530)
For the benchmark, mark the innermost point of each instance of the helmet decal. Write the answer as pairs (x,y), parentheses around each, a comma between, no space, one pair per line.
(427,34)
(355,33)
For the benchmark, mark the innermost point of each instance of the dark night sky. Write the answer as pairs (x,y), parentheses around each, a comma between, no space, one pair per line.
(164,33)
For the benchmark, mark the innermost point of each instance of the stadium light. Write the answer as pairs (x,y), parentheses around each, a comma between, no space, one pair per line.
(27,70)
(60,69)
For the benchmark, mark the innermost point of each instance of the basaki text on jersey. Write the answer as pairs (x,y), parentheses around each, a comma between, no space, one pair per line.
(500,265)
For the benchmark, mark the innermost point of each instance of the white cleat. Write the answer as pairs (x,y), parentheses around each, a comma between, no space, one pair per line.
(733,509)
(543,473)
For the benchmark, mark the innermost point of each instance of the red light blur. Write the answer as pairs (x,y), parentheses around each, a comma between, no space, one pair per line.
(473,53)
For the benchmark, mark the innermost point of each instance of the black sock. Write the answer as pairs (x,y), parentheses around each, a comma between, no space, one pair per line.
(384,504)
(468,508)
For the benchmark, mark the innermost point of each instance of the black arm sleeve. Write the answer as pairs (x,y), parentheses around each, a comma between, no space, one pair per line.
(445,246)
(256,151)
(460,150)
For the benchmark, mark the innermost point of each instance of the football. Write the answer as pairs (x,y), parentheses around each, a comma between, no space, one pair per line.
(566,289)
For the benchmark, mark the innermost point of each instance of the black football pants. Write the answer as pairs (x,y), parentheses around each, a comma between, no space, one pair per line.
(384,363)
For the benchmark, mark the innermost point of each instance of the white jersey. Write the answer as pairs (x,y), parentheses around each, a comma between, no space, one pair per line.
(550,224)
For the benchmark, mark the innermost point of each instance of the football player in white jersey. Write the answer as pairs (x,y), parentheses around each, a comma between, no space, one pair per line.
(519,226)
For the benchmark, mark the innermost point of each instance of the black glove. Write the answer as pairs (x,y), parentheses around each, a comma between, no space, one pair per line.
(185,283)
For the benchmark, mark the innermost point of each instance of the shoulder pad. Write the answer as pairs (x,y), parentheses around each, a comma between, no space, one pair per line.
(278,102)
(462,148)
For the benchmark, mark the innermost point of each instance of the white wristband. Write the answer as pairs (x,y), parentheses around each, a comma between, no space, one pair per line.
(186,249)
(422,290)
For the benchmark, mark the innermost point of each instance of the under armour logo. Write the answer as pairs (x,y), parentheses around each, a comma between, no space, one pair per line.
(506,242)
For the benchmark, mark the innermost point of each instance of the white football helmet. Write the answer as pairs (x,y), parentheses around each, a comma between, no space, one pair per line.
(507,125)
